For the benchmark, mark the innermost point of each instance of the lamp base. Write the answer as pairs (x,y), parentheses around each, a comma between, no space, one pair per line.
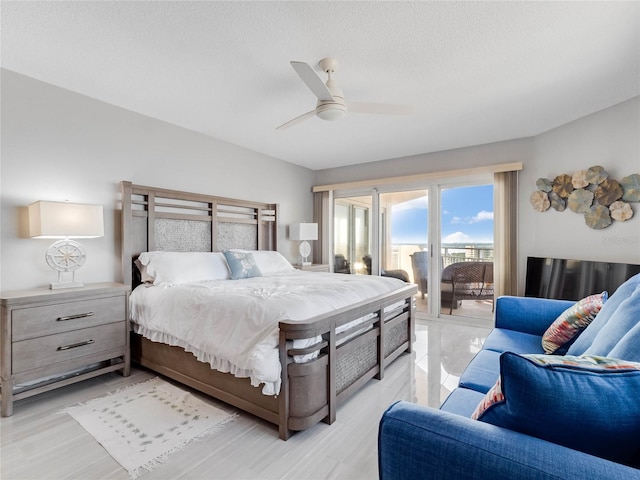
(305,250)
(59,285)
(71,283)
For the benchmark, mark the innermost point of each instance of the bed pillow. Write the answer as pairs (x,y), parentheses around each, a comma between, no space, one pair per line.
(144,275)
(566,328)
(164,268)
(587,403)
(242,264)
(270,262)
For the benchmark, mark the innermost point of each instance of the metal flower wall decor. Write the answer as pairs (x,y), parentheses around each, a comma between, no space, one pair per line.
(591,192)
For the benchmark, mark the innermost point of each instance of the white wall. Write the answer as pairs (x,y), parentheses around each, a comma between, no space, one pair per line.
(609,138)
(59,145)
(519,150)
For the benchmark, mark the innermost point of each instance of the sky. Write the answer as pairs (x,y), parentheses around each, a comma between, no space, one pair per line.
(467,217)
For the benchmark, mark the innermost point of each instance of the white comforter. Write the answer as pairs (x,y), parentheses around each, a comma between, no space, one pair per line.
(233,324)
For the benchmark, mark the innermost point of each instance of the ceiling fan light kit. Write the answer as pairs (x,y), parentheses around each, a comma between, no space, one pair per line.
(331,111)
(331,104)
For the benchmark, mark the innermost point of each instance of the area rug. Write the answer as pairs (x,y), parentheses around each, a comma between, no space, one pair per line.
(142,424)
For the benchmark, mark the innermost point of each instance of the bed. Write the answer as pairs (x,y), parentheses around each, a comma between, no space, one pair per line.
(322,358)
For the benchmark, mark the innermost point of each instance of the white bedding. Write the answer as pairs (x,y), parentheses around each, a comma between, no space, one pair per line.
(233,324)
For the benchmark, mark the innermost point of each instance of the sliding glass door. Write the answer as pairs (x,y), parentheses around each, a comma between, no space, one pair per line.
(415,235)
(352,234)
(404,239)
(466,251)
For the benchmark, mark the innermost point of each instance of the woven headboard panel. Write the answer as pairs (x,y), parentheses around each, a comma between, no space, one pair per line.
(170,220)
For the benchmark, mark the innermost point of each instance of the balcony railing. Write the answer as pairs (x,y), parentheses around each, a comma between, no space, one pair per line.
(466,254)
(400,256)
(448,254)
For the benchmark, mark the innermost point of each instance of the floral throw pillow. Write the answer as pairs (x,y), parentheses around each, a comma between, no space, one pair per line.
(242,265)
(572,322)
(494,395)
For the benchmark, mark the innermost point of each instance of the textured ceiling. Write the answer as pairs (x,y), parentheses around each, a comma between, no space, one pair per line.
(475,72)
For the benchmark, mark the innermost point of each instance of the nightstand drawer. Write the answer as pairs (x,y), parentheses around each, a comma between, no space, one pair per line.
(35,322)
(52,349)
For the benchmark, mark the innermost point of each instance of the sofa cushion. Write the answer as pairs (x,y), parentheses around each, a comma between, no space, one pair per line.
(622,321)
(528,314)
(570,324)
(504,340)
(550,396)
(587,337)
(482,371)
(628,348)
(462,401)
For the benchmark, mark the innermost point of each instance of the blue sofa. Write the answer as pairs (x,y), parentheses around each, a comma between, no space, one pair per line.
(417,442)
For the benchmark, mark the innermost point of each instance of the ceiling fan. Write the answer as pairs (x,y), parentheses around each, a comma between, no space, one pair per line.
(331,103)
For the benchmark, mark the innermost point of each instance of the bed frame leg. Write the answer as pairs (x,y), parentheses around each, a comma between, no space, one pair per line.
(380,345)
(283,432)
(331,379)
(411,324)
(283,399)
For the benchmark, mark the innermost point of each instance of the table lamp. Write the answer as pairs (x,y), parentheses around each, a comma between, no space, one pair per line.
(65,220)
(304,232)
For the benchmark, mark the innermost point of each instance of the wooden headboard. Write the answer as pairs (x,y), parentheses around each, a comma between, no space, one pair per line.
(157,219)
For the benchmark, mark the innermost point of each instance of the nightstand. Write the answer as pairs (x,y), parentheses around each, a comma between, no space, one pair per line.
(52,338)
(316,267)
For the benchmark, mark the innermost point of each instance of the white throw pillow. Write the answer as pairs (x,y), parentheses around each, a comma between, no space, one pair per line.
(268,261)
(184,267)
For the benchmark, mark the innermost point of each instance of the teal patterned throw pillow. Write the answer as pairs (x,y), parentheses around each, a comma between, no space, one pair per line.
(242,265)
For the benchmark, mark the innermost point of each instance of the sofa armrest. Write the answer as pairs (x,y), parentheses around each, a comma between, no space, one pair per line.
(528,314)
(416,443)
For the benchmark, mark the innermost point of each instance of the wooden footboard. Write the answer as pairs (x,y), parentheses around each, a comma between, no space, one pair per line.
(311,391)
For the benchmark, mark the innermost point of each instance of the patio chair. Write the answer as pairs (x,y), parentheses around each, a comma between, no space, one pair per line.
(399,274)
(340,264)
(420,270)
(467,281)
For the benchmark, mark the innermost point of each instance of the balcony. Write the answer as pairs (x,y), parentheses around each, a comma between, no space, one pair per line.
(449,254)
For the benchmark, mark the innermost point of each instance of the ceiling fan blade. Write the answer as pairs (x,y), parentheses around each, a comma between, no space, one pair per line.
(379,108)
(312,80)
(296,120)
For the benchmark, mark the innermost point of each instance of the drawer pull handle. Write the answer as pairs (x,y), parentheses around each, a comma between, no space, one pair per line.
(75,317)
(76,345)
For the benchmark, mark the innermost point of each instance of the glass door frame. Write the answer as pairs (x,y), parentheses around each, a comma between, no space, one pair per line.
(434,189)
(351,223)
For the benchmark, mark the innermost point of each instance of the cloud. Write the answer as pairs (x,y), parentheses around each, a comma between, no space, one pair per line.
(482,216)
(457,237)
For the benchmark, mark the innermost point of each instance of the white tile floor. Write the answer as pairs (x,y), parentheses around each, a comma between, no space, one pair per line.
(443,350)
(38,442)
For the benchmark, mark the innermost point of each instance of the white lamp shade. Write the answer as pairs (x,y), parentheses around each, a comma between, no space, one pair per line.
(65,220)
(303,231)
